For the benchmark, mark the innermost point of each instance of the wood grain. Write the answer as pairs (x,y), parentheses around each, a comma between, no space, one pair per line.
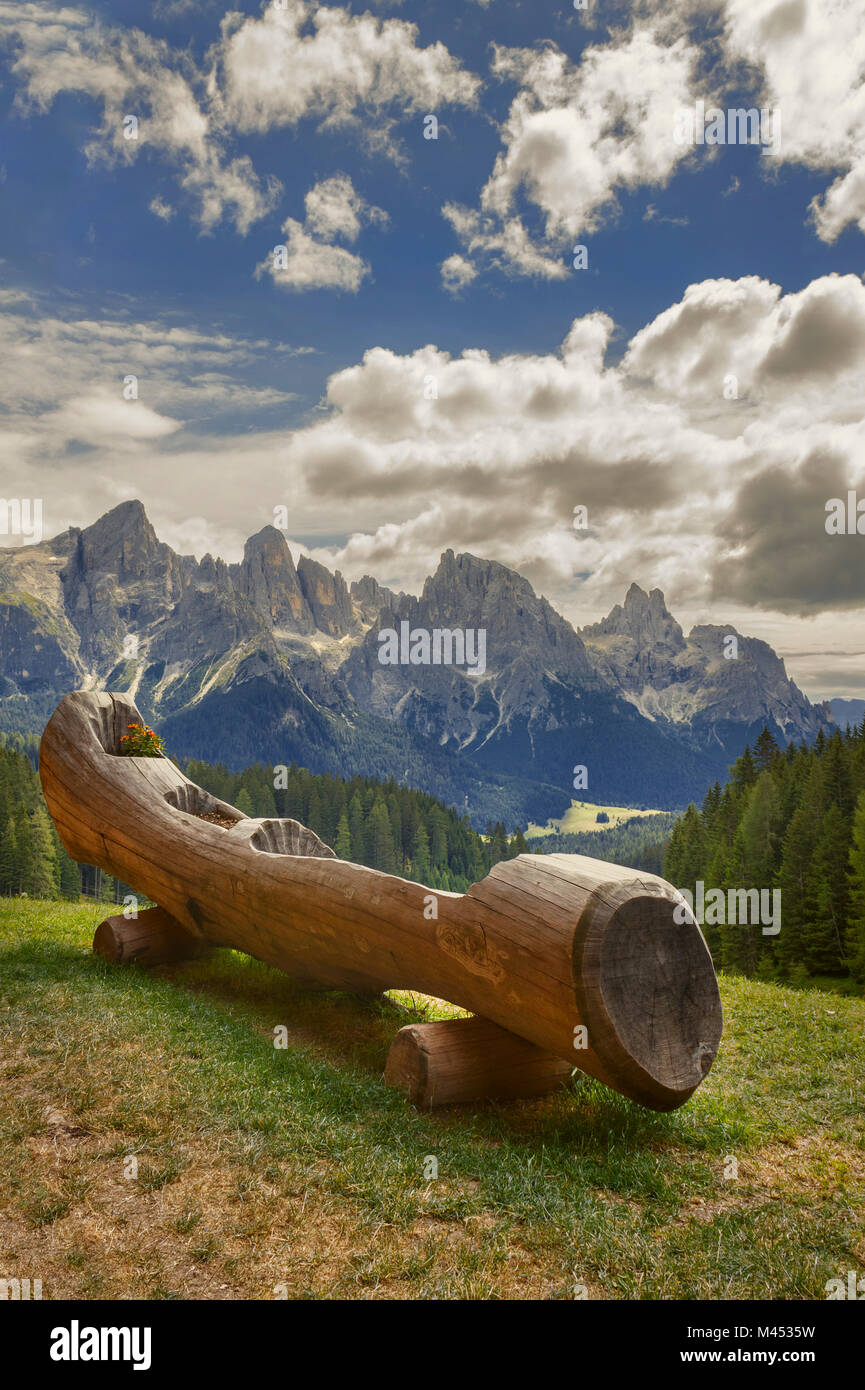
(469,1059)
(151,938)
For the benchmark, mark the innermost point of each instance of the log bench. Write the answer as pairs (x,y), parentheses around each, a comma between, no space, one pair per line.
(565,961)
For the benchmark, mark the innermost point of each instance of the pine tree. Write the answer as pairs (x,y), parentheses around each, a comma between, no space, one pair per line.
(766,750)
(381,839)
(856,928)
(43,882)
(356,824)
(824,943)
(342,848)
(10,867)
(420,856)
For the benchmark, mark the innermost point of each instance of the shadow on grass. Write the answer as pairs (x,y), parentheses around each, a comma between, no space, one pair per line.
(337,1045)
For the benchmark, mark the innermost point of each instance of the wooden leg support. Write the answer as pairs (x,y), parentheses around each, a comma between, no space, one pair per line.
(151,938)
(469,1059)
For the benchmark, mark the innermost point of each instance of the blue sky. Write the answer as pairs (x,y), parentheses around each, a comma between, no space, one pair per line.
(256,391)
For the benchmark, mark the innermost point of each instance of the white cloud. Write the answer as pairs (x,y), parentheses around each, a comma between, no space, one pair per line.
(576,134)
(457,272)
(308,259)
(579,133)
(342,67)
(338,68)
(718,501)
(57,51)
(161,209)
(811,56)
(334,208)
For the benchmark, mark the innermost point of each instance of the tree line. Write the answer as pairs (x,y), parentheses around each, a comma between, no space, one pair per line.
(32,859)
(791,820)
(638,843)
(384,825)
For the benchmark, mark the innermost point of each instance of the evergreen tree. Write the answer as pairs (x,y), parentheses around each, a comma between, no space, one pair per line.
(342,848)
(856,927)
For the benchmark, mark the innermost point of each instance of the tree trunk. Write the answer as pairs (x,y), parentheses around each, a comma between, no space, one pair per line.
(469,1059)
(151,938)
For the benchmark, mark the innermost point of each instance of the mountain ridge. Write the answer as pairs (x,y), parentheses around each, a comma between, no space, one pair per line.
(283,660)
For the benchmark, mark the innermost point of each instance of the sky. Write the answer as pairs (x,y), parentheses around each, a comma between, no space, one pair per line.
(281,261)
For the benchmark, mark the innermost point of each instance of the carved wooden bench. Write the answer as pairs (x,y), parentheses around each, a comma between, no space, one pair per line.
(566,961)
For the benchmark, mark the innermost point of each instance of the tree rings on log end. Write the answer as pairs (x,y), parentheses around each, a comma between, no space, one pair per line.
(154,937)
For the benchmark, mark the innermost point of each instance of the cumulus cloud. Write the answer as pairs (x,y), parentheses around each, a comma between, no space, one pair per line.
(345,70)
(309,258)
(718,499)
(811,56)
(577,133)
(63,50)
(161,209)
(457,272)
(769,344)
(343,67)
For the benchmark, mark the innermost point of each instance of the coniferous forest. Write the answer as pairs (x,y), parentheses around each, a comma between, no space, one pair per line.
(384,825)
(32,859)
(791,820)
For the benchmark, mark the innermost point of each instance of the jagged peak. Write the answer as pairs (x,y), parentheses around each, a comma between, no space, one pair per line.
(271,543)
(121,521)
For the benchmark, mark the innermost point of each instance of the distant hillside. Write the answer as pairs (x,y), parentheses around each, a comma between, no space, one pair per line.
(846,712)
(639,843)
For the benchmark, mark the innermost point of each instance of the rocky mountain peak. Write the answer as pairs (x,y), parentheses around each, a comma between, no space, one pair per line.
(643,617)
(267,578)
(119,578)
(371,597)
(122,542)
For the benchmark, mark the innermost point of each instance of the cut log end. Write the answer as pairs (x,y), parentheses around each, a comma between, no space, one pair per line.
(154,937)
(469,1059)
(660,995)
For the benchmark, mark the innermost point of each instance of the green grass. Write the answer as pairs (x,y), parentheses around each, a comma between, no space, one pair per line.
(270,1173)
(582,816)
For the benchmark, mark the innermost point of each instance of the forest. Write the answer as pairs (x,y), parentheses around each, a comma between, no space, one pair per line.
(32,859)
(792,820)
(639,843)
(384,825)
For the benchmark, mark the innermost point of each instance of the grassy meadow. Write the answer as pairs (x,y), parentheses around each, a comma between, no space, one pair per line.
(266,1173)
(582,816)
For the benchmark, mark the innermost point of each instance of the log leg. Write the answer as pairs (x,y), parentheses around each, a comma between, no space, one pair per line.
(151,938)
(469,1059)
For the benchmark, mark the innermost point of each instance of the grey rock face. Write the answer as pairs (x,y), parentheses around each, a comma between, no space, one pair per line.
(267,578)
(119,580)
(327,597)
(700,683)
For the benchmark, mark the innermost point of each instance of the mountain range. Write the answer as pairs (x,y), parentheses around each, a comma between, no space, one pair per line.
(275,661)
